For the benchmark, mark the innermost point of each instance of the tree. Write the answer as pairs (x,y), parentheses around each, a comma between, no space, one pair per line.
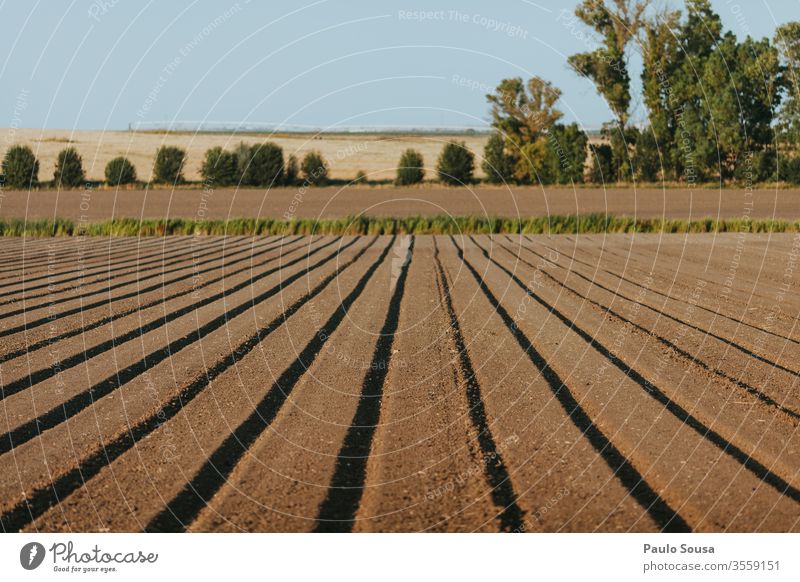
(566,153)
(168,168)
(497,164)
(120,171)
(69,169)
(787,41)
(20,168)
(265,167)
(647,158)
(219,168)
(410,168)
(602,169)
(315,169)
(521,113)
(607,66)
(456,164)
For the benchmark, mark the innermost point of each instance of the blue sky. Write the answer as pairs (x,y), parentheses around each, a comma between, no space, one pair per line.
(103,64)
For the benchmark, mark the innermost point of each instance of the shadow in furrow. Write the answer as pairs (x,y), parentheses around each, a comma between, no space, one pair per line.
(83,400)
(338,510)
(186,505)
(660,511)
(666,296)
(47,320)
(752,465)
(766,399)
(43,499)
(110,271)
(107,289)
(43,374)
(50,341)
(503,495)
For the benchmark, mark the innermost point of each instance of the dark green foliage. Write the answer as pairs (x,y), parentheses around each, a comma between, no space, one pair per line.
(410,168)
(20,168)
(456,164)
(120,171)
(497,164)
(566,154)
(168,167)
(647,159)
(69,169)
(291,171)
(600,160)
(315,169)
(265,167)
(220,168)
(789,169)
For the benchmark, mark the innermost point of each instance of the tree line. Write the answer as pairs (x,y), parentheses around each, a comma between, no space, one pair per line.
(718,108)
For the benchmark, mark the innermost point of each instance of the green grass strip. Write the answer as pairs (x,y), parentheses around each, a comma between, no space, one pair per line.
(585,224)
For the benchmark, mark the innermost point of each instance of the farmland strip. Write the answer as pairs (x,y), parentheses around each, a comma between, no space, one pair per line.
(187,504)
(751,464)
(43,499)
(496,473)
(29,348)
(692,359)
(79,402)
(666,517)
(338,510)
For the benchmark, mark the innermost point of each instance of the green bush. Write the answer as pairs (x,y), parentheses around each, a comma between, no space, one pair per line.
(410,168)
(566,154)
(120,171)
(168,168)
(789,169)
(219,168)
(315,169)
(69,169)
(20,168)
(456,164)
(497,164)
(361,177)
(602,164)
(291,171)
(265,167)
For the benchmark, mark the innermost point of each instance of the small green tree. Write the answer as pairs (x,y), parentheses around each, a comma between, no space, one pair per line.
(168,168)
(20,168)
(497,164)
(410,168)
(120,171)
(69,169)
(361,177)
(456,164)
(566,153)
(265,167)
(647,159)
(291,171)
(219,167)
(315,169)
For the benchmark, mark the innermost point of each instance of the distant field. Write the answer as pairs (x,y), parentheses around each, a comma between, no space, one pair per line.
(377,155)
(428,200)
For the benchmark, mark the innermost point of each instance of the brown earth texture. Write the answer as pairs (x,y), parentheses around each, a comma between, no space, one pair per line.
(428,383)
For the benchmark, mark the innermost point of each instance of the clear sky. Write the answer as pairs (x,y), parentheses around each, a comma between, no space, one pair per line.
(103,64)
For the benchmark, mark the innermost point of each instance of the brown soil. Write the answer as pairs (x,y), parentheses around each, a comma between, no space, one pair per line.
(609,383)
(334,202)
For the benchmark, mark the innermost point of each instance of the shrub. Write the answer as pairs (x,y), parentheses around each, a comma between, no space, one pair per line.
(410,168)
(120,171)
(69,169)
(265,167)
(219,167)
(601,161)
(361,177)
(291,172)
(497,164)
(566,145)
(169,165)
(789,169)
(243,152)
(456,163)
(20,167)
(315,169)
(536,157)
